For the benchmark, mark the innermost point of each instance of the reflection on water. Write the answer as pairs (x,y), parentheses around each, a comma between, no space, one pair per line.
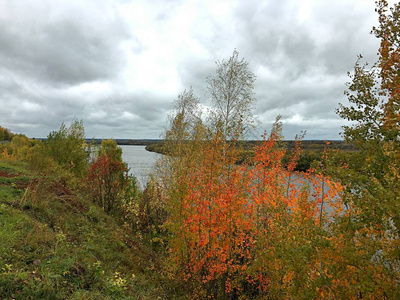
(139,161)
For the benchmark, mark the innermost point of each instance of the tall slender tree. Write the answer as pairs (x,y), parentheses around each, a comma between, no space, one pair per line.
(232,97)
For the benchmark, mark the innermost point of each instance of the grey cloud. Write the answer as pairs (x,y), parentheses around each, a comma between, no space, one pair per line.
(130,115)
(48,51)
(131,120)
(349,37)
(194,73)
(271,36)
(146,106)
(67,51)
(306,71)
(46,56)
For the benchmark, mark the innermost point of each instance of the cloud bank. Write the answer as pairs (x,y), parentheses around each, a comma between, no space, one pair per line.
(118,65)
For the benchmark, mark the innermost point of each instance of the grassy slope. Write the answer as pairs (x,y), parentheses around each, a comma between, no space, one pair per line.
(57,245)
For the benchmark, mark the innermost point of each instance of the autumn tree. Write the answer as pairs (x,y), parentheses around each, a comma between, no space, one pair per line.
(20,146)
(184,123)
(110,149)
(251,231)
(247,232)
(389,63)
(223,217)
(184,134)
(185,131)
(373,95)
(5,134)
(369,229)
(232,97)
(68,148)
(152,210)
(107,178)
(205,194)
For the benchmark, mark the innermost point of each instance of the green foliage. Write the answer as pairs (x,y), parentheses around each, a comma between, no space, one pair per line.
(67,147)
(5,134)
(370,176)
(152,208)
(305,160)
(57,245)
(366,110)
(41,162)
(14,146)
(132,197)
(156,147)
(110,149)
(20,146)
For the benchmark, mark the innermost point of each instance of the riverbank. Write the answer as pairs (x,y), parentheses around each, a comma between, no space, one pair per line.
(312,151)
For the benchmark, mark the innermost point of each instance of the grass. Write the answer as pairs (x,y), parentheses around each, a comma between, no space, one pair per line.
(56,244)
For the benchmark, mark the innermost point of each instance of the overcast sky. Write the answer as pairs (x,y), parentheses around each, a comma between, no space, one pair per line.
(118,65)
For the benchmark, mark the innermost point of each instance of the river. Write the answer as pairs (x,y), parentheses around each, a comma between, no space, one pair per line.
(140,162)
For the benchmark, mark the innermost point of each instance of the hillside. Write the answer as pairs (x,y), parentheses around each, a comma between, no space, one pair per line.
(56,244)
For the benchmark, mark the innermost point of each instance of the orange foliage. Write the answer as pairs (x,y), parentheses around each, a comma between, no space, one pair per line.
(6,155)
(240,221)
(107,179)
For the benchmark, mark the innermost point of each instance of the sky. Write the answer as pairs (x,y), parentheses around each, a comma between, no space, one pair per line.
(118,64)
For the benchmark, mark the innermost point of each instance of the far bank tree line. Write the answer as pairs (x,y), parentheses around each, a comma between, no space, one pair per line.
(312,151)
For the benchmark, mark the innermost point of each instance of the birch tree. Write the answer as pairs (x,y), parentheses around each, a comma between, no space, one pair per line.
(232,97)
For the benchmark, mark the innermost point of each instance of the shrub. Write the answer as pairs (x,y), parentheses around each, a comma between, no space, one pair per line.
(107,177)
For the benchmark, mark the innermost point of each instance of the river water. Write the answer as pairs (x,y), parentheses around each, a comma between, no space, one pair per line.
(140,162)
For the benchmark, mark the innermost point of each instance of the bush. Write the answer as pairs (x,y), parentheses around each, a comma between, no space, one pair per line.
(107,177)
(68,148)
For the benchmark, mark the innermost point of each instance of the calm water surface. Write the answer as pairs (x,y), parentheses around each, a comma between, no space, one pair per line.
(139,161)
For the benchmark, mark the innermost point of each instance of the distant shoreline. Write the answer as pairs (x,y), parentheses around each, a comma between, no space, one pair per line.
(306,144)
(310,145)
